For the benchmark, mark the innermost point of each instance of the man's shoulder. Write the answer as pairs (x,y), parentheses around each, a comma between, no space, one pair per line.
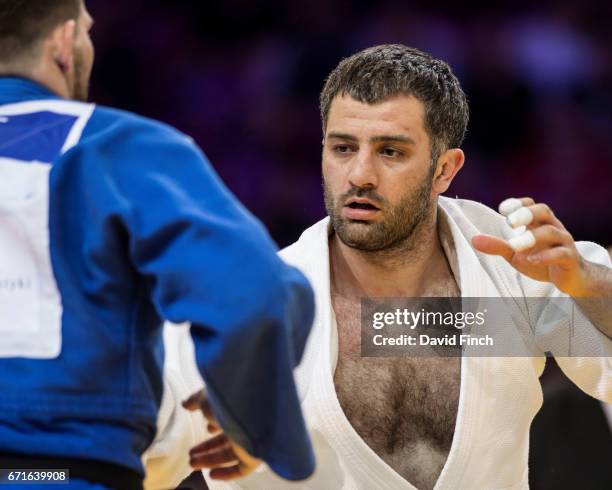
(95,117)
(124,143)
(107,120)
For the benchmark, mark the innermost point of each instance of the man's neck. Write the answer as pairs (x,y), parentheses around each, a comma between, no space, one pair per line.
(403,273)
(44,74)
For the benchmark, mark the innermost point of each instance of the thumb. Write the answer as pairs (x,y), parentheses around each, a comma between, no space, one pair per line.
(194,402)
(199,401)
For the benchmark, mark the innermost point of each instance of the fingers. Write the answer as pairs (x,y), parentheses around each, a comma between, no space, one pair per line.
(542,214)
(199,401)
(532,216)
(214,459)
(537,228)
(533,223)
(526,201)
(226,460)
(523,241)
(562,256)
(212,453)
(510,205)
(493,246)
(525,211)
(537,238)
(544,236)
(523,216)
(193,402)
(539,246)
(551,236)
(230,473)
(519,216)
(218,442)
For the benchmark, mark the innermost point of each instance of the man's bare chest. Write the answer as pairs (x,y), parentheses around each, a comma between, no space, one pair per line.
(403,408)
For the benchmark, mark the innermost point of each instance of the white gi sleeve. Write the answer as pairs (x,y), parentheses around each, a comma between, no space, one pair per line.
(178,430)
(581,350)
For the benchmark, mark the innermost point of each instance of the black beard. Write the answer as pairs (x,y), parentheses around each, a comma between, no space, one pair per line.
(395,232)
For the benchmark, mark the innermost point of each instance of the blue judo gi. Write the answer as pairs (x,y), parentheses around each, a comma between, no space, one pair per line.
(110,223)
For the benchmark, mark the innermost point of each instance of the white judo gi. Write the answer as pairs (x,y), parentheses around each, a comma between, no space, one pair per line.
(499,396)
(178,430)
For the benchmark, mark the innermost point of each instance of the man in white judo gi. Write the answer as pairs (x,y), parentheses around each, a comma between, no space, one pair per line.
(393,120)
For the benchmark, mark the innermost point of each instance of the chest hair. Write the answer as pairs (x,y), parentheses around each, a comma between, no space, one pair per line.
(403,408)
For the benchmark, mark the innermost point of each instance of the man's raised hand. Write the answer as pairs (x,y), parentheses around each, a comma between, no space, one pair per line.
(544,251)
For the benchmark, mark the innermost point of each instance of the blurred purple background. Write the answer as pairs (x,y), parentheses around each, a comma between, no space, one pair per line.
(242,77)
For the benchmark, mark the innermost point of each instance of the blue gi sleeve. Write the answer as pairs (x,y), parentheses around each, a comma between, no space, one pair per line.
(210,262)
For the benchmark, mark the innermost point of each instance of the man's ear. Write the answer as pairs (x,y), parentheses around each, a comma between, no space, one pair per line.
(63,40)
(449,163)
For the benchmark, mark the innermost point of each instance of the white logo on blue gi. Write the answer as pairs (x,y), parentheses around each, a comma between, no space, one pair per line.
(30,303)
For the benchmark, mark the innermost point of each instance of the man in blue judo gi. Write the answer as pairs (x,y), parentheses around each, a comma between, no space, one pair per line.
(110,223)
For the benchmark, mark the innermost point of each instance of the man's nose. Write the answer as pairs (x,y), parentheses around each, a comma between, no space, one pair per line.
(363,171)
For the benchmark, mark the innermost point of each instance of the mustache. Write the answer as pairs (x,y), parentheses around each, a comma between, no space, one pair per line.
(366,193)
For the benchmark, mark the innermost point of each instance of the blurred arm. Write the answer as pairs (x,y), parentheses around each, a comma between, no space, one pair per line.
(209,262)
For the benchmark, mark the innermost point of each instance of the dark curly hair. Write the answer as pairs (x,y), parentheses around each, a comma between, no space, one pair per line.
(380,72)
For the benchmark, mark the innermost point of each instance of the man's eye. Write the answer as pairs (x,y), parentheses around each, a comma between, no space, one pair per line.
(391,152)
(342,148)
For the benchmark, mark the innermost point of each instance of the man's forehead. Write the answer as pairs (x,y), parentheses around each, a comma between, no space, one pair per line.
(399,114)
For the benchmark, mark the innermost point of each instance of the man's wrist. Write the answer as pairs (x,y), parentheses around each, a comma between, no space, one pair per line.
(594,281)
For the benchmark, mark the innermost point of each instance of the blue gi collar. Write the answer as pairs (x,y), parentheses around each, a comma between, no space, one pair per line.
(16,89)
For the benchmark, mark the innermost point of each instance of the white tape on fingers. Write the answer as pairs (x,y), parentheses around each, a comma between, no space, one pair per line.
(521,217)
(510,205)
(522,242)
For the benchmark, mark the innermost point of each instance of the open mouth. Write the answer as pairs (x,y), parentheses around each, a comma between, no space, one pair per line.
(360,209)
(362,205)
